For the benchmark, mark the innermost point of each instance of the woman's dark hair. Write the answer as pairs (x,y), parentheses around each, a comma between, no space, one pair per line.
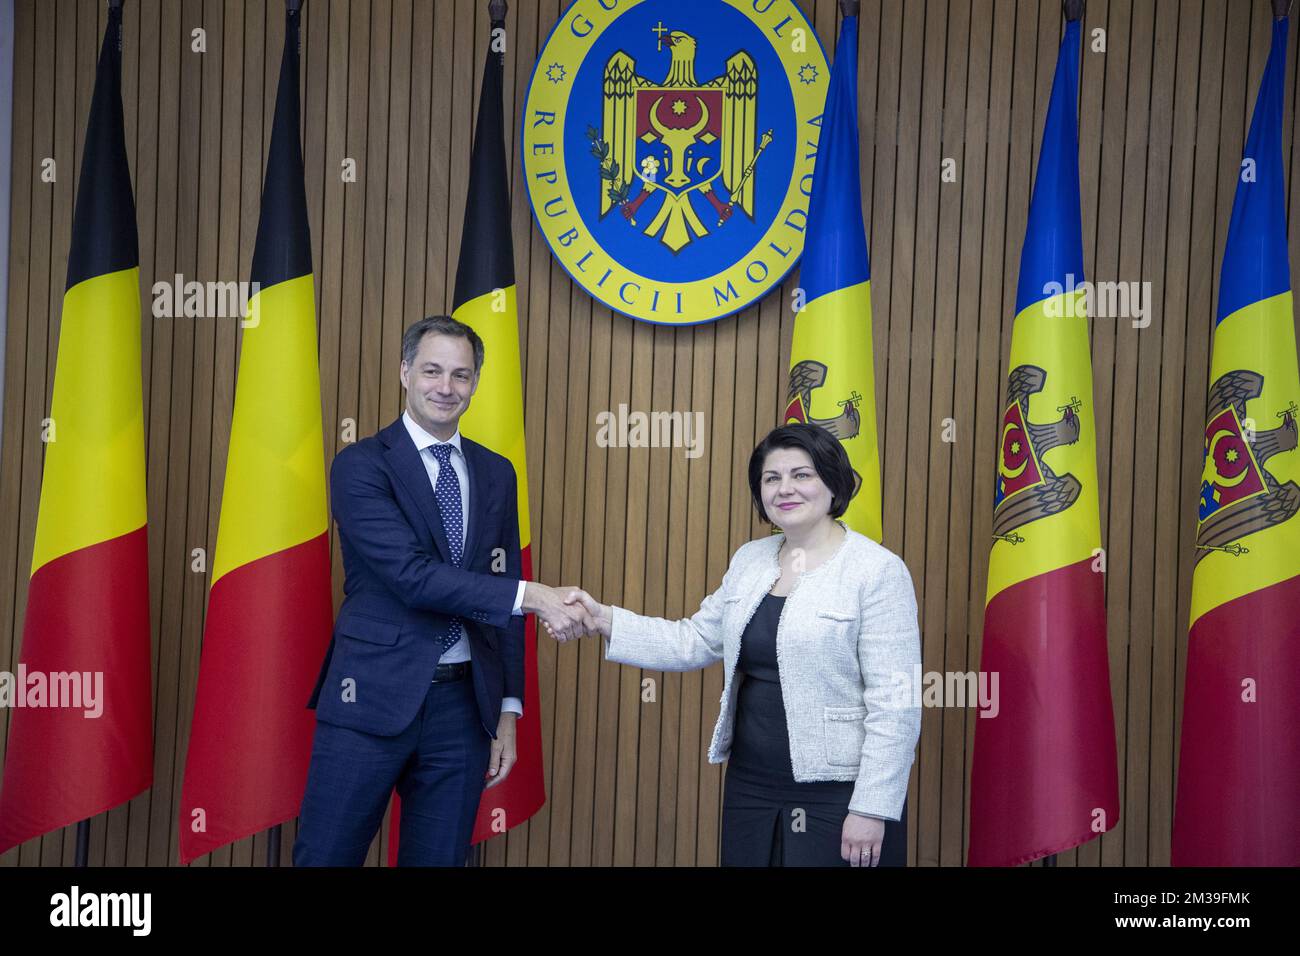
(828,456)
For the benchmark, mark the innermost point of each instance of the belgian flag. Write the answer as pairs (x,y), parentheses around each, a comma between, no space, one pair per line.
(270,609)
(831,358)
(1239,759)
(484,298)
(1043,775)
(88,597)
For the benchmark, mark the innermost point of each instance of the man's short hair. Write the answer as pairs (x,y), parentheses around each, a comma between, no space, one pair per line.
(439,325)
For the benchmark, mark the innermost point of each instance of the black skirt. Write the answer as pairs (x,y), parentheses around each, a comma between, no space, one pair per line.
(769,818)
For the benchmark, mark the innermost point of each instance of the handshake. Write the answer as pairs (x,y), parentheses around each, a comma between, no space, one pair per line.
(567,612)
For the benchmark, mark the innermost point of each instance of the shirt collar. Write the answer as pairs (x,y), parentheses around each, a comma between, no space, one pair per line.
(423,439)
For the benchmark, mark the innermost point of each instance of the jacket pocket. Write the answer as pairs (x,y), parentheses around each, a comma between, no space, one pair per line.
(368,629)
(832,618)
(844,735)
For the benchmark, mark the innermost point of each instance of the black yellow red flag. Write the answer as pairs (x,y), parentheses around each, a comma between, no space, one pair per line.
(270,610)
(81,736)
(484,298)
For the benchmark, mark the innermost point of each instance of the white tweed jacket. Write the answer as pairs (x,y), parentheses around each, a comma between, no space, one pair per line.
(846,642)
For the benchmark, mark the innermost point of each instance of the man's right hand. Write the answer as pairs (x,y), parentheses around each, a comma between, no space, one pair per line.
(563,621)
(602,615)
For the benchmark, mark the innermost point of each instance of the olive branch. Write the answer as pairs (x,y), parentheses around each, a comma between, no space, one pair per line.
(609,169)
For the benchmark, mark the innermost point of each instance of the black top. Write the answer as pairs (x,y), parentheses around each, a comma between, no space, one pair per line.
(758,643)
(759,767)
(761,745)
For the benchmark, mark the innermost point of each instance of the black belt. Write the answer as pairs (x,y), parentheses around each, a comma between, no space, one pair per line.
(449,672)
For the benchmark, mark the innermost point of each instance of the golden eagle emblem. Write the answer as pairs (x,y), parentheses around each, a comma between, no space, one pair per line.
(670,145)
(1238,494)
(1027,488)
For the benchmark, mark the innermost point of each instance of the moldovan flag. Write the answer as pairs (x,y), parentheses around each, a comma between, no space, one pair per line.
(484,299)
(1239,763)
(830,354)
(1044,775)
(81,740)
(270,609)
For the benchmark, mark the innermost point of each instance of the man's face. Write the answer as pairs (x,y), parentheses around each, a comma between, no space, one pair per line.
(440,382)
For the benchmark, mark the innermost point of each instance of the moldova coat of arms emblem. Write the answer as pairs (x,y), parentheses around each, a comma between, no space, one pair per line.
(1239,496)
(668,150)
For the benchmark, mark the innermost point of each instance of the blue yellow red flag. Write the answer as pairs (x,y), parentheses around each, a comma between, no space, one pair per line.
(1044,775)
(1239,757)
(832,375)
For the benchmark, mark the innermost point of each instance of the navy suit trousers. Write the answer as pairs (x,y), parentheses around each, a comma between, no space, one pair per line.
(437,764)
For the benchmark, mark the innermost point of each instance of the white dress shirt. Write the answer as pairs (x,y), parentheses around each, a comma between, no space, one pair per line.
(423,441)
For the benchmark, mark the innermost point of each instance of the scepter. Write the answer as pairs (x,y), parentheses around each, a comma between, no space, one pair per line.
(725,212)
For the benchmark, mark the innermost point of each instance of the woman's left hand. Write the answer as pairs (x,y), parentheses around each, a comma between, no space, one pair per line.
(861,839)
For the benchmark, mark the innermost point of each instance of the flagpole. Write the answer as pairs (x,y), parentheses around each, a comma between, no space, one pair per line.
(497,10)
(1281,9)
(83,826)
(273,834)
(1073,11)
(82,857)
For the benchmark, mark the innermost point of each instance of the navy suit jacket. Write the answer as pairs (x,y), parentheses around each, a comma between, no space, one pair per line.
(401,589)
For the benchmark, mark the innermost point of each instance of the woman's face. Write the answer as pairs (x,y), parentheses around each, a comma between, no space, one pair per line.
(794,495)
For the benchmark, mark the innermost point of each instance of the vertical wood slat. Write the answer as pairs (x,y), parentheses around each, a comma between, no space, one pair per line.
(941,838)
(393,84)
(987,387)
(1169,244)
(1130,581)
(1092,109)
(228,22)
(930,353)
(15,496)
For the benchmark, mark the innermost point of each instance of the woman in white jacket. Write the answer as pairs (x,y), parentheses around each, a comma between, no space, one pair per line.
(817,631)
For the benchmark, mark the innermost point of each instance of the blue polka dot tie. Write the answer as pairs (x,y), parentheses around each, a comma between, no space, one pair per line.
(447,490)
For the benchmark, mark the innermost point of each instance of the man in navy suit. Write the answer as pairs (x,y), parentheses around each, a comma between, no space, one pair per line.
(424,677)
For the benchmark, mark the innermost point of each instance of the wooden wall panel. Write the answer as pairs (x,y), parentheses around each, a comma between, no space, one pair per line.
(393,85)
